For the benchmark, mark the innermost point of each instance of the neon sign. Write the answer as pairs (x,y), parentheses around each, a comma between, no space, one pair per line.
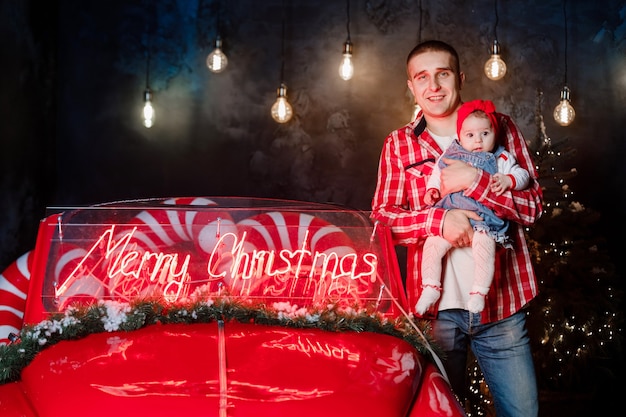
(126,269)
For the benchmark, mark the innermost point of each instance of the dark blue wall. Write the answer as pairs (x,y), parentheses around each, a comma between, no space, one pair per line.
(74,73)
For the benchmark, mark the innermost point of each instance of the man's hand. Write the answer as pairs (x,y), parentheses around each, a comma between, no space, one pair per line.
(457,176)
(457,229)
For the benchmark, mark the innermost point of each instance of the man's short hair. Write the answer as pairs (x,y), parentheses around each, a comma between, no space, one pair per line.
(437,46)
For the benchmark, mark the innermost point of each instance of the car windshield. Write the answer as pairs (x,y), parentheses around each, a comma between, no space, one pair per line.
(257,250)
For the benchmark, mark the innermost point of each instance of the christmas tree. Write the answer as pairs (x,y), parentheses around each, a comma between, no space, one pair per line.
(575,322)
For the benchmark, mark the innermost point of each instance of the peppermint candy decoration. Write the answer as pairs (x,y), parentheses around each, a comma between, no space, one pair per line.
(14,282)
(302,261)
(158,229)
(78,277)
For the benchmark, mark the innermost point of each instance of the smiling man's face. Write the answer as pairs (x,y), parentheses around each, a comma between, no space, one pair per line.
(435,83)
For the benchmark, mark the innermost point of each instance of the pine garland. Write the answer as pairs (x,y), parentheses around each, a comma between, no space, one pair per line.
(108,316)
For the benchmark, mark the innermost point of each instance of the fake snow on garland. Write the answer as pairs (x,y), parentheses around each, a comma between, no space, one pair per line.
(111,316)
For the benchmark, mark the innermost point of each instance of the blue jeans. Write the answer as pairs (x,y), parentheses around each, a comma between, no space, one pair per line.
(502,350)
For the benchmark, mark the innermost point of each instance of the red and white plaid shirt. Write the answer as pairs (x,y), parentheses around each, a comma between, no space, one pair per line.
(407,160)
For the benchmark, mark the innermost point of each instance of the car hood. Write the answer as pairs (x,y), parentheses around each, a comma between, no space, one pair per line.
(244,370)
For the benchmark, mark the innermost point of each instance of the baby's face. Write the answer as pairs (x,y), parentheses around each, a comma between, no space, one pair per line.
(477,134)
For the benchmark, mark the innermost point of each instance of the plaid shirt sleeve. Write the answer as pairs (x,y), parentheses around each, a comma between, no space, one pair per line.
(398,201)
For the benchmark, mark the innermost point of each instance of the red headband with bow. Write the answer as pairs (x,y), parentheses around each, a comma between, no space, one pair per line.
(483,105)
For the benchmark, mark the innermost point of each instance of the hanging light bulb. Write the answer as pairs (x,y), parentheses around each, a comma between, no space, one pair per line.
(416,107)
(564,113)
(495,68)
(281,110)
(217,61)
(416,110)
(346,68)
(148,110)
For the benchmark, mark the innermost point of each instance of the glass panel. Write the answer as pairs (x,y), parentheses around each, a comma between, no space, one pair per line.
(259,250)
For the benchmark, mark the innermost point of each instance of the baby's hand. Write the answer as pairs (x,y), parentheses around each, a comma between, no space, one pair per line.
(432,196)
(500,183)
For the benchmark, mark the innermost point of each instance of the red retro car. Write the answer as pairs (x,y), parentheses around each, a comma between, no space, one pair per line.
(213,307)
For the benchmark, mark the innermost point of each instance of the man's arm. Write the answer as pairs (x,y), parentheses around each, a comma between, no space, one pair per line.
(403,171)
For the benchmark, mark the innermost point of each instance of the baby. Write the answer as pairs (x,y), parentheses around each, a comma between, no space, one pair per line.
(478,145)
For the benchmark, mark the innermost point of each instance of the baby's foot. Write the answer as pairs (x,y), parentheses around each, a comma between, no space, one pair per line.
(430,294)
(476,302)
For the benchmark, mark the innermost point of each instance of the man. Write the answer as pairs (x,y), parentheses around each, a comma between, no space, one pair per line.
(497,335)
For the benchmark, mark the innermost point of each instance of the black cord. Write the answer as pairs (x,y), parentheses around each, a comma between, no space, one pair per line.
(149,28)
(218,17)
(348,18)
(565,57)
(148,69)
(282,50)
(495,26)
(419,29)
